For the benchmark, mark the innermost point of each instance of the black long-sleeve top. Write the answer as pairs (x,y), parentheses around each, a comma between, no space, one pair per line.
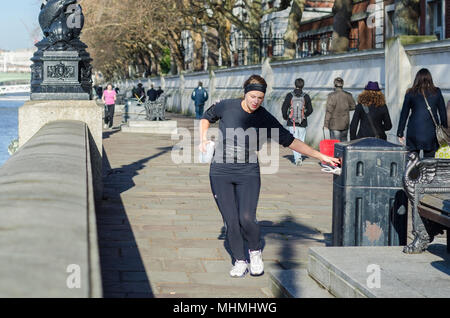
(380,119)
(421,132)
(287,103)
(241,135)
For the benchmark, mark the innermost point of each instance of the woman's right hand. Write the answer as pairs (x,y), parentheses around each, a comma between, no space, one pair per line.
(401,140)
(202,146)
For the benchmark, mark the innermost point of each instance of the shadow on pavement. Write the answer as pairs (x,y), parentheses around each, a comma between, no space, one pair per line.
(123,271)
(441,251)
(107,134)
(290,233)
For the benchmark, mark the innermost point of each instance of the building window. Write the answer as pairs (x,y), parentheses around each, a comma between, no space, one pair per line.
(434,18)
(313,45)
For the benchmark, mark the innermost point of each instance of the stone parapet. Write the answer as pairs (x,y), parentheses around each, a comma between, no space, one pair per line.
(33,115)
(47,215)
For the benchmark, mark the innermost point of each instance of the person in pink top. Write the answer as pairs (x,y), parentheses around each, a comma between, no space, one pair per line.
(109,99)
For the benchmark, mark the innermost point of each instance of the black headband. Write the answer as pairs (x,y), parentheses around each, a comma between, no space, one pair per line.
(255,87)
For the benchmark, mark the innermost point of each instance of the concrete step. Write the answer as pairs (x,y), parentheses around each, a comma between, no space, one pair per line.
(385,272)
(295,284)
(151,127)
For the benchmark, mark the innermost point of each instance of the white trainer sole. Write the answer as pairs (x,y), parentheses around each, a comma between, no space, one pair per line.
(242,276)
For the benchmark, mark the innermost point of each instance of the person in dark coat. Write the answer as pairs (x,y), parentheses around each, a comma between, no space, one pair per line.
(371,114)
(421,133)
(99,92)
(159,92)
(300,128)
(140,92)
(199,96)
(152,94)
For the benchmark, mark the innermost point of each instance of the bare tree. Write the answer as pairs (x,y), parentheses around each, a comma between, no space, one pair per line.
(406,17)
(291,35)
(342,10)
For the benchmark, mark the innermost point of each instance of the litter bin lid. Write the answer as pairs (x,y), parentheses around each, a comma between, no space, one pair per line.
(370,143)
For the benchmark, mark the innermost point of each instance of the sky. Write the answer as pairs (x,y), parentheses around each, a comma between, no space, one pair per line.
(19,18)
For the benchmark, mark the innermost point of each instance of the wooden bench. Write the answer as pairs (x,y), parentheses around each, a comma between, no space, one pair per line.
(427,184)
(436,208)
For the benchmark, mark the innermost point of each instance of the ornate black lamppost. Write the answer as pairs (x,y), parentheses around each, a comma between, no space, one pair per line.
(61,67)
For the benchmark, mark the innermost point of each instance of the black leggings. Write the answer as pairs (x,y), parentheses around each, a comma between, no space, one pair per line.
(237,198)
(109,115)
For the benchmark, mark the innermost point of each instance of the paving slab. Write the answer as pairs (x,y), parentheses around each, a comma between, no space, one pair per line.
(382,272)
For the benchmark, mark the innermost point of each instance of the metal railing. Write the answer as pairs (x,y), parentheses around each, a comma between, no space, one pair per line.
(249,51)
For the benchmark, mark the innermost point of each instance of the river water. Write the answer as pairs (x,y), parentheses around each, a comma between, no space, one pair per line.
(9,106)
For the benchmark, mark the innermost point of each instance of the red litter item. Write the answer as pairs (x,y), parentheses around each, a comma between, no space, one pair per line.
(326,146)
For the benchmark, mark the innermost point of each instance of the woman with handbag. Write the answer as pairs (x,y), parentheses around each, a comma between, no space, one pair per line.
(371,114)
(421,106)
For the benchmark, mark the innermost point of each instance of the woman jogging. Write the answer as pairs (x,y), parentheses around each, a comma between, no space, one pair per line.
(234,172)
(109,99)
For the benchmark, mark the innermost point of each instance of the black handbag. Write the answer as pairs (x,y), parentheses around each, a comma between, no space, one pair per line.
(441,134)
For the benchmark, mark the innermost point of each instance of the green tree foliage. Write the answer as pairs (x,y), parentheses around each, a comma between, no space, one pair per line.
(165,61)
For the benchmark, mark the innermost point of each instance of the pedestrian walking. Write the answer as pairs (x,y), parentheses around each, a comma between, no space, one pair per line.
(159,92)
(140,93)
(99,92)
(422,99)
(152,94)
(235,172)
(371,114)
(199,96)
(295,110)
(109,99)
(337,116)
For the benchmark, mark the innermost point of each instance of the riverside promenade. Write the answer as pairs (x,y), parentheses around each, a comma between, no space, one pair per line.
(159,226)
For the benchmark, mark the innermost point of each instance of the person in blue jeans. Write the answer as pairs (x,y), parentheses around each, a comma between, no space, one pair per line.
(297,126)
(199,96)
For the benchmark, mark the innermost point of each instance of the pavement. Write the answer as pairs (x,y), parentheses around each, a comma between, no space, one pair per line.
(159,227)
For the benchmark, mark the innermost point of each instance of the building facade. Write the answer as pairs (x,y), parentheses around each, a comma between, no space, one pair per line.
(372,23)
(16,61)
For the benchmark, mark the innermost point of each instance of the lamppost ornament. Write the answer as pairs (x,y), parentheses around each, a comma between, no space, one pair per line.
(61,66)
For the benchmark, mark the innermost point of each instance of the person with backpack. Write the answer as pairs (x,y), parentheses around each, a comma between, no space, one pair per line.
(296,107)
(199,96)
(371,114)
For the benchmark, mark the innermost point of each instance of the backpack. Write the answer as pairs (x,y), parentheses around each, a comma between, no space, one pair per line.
(297,109)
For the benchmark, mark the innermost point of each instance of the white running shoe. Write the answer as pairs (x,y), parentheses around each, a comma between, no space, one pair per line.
(239,269)
(256,263)
(105,126)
